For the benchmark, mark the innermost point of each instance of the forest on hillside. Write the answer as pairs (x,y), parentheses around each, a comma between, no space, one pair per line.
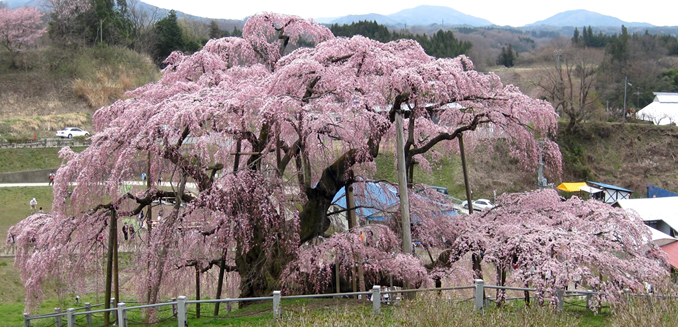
(584,76)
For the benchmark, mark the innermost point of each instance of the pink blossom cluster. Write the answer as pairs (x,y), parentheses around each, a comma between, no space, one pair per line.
(20,27)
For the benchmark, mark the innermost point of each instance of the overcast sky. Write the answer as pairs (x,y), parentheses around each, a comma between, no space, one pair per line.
(512,12)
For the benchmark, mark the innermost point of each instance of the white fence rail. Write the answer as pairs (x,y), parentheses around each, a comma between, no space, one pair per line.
(46,143)
(179,307)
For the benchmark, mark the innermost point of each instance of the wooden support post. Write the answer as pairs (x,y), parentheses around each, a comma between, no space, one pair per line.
(469,200)
(197,290)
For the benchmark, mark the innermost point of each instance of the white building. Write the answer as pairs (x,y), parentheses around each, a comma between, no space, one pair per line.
(662,111)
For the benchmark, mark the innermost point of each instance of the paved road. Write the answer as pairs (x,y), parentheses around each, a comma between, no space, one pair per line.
(23,184)
(190,186)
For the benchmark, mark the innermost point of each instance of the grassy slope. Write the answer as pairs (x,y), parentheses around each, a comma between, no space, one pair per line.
(15,204)
(12,160)
(628,155)
(55,88)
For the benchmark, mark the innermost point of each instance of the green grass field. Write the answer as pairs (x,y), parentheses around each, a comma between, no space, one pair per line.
(15,204)
(12,160)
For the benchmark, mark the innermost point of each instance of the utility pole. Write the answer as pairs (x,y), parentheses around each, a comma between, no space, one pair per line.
(626,82)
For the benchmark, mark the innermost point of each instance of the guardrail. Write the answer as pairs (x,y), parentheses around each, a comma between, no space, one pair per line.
(179,306)
(46,143)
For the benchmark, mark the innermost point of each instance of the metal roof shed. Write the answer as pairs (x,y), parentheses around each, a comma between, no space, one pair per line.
(611,193)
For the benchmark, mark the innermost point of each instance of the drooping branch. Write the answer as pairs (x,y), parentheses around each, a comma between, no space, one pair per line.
(208,266)
(477,120)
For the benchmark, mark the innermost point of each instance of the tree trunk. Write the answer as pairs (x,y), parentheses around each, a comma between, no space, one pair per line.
(220,282)
(501,280)
(116,284)
(260,268)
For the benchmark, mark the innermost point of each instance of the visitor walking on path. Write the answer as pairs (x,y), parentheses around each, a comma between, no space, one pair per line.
(33,203)
(51,178)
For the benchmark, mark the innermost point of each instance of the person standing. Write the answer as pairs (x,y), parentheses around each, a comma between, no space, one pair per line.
(51,178)
(33,203)
(124,231)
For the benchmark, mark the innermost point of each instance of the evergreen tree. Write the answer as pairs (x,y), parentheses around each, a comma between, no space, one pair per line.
(507,56)
(575,37)
(169,37)
(215,32)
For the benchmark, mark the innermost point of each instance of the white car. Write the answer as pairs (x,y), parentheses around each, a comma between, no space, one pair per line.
(480,204)
(71,132)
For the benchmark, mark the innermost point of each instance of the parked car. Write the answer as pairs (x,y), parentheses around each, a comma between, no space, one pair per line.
(71,132)
(480,204)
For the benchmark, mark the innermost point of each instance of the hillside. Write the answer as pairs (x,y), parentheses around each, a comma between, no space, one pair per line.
(54,88)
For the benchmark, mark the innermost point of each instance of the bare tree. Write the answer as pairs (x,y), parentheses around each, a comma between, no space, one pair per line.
(143,22)
(569,83)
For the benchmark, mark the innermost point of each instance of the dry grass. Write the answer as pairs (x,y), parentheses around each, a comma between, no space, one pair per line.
(430,311)
(106,87)
(64,81)
(646,311)
(42,126)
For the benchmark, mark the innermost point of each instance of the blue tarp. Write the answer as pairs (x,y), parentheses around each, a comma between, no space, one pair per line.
(371,199)
(375,200)
(656,192)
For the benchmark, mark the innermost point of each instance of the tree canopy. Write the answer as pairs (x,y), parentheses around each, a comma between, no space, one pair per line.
(255,140)
(19,28)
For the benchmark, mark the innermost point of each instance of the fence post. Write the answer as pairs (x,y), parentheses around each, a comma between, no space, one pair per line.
(114,318)
(479,294)
(88,316)
(181,311)
(588,301)
(376,299)
(70,318)
(122,315)
(27,320)
(57,319)
(276,305)
(560,297)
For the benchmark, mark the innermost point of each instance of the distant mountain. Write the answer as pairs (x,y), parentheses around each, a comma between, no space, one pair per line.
(583,17)
(380,19)
(421,15)
(427,15)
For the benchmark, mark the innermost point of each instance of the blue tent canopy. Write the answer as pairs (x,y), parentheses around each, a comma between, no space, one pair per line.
(377,201)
